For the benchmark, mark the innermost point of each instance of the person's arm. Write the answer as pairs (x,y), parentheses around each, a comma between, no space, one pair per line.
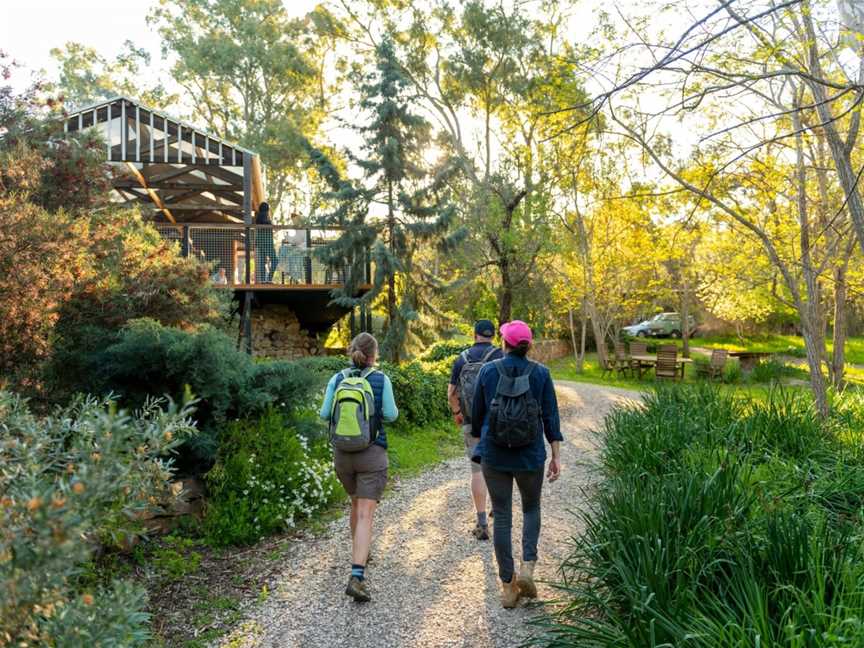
(478,407)
(455,405)
(453,391)
(552,427)
(327,405)
(549,408)
(389,411)
(554,470)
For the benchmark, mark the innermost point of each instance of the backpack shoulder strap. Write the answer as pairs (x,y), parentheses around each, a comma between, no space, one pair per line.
(346,373)
(489,354)
(464,356)
(499,365)
(368,371)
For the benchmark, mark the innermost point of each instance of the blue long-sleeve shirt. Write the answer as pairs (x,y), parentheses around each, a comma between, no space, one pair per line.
(385,404)
(533,456)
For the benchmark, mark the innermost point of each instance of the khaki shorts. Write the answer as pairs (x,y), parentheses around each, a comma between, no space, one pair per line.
(470,443)
(364,473)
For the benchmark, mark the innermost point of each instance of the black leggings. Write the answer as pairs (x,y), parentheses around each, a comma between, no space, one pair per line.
(500,486)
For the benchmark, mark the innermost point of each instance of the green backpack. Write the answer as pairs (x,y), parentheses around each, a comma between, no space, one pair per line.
(352,426)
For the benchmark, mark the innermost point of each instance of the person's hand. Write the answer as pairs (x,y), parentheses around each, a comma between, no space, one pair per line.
(554,470)
(458,418)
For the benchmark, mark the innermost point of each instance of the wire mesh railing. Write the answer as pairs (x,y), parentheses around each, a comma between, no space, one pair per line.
(260,255)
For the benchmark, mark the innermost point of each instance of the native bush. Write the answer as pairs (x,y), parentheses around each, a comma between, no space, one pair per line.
(267,478)
(69,483)
(720,521)
(420,393)
(445,350)
(149,358)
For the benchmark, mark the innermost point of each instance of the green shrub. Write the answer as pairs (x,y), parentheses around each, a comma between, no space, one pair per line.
(444,351)
(148,358)
(421,396)
(720,522)
(420,392)
(266,478)
(68,483)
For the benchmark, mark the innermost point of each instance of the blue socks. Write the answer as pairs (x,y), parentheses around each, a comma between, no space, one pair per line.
(481,518)
(359,571)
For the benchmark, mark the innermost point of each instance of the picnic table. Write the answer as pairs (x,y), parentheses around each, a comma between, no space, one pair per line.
(648,360)
(749,359)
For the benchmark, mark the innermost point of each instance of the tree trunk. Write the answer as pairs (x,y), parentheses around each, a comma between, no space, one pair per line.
(838,354)
(685,319)
(505,300)
(809,311)
(391,280)
(573,339)
(840,150)
(581,364)
(599,335)
(814,363)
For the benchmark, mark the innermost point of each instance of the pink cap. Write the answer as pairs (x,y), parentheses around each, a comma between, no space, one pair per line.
(515,332)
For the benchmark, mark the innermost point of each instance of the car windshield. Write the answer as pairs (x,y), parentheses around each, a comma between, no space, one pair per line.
(656,318)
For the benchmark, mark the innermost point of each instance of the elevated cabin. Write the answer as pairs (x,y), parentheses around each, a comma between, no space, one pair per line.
(202,192)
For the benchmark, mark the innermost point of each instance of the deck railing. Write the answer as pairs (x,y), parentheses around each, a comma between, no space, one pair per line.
(259,256)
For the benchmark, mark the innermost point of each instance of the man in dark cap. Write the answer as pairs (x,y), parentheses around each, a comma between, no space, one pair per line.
(460,395)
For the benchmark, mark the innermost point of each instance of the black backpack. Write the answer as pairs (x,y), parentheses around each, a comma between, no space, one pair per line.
(514,417)
(468,381)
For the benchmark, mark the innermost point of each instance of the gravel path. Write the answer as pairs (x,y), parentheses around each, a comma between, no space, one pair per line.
(432,584)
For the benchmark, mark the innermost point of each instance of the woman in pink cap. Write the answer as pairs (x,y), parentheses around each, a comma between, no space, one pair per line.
(514,408)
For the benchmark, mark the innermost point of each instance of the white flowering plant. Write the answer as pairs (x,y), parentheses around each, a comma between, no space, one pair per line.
(268,477)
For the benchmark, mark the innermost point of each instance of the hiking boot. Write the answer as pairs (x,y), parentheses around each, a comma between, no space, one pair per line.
(481,532)
(357,590)
(525,580)
(509,594)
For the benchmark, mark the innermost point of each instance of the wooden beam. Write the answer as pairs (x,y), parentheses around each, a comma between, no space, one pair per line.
(257,183)
(153,195)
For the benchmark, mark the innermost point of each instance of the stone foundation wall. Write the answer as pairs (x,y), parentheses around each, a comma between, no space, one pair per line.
(276,333)
(547,350)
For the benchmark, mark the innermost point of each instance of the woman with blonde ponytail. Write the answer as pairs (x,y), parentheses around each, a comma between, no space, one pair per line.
(363,473)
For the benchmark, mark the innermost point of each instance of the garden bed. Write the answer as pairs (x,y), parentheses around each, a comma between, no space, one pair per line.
(721,521)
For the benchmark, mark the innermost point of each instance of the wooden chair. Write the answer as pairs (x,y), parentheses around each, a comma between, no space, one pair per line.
(638,348)
(622,360)
(667,363)
(714,369)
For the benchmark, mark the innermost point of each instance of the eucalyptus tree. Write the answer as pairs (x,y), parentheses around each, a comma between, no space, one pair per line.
(86,76)
(488,74)
(253,74)
(767,107)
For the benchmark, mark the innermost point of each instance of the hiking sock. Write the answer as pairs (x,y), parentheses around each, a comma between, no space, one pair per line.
(359,571)
(481,518)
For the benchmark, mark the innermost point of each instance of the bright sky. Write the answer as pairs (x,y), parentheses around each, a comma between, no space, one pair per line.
(29,29)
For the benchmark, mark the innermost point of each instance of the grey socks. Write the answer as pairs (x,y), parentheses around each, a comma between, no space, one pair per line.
(481,518)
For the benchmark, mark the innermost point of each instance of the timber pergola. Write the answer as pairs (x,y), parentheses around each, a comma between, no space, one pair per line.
(178,172)
(201,192)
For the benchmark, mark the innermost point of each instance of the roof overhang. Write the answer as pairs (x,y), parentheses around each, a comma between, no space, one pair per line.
(174,170)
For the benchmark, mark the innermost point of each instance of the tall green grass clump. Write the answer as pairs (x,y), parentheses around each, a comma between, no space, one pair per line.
(720,522)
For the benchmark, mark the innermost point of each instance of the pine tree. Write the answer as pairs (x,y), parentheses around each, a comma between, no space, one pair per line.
(395,179)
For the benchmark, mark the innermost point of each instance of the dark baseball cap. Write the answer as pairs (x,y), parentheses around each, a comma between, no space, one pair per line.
(484,328)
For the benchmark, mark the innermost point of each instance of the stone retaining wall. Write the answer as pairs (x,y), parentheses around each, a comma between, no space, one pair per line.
(547,350)
(276,333)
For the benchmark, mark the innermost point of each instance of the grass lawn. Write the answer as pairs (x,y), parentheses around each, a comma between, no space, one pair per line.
(412,449)
(786,344)
(565,369)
